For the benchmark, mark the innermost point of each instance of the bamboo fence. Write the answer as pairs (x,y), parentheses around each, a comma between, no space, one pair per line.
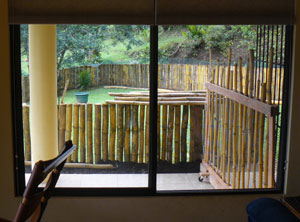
(119,129)
(240,126)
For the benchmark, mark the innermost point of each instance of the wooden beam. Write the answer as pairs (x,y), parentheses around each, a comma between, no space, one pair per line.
(270,110)
(214,179)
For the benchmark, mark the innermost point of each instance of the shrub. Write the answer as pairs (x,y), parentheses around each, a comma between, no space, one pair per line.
(85,80)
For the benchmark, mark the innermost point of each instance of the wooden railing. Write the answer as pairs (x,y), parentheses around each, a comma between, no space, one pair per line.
(240,129)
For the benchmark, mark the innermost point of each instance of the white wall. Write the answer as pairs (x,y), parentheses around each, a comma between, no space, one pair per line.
(182,208)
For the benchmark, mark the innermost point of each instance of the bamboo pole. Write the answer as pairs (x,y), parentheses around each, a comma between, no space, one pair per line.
(268,161)
(127,133)
(244,133)
(26,127)
(112,132)
(97,133)
(240,128)
(261,138)
(158,132)
(217,105)
(234,136)
(167,98)
(183,144)
(255,136)
(89,157)
(135,136)
(229,149)
(170,134)
(69,126)
(105,133)
(147,135)
(62,126)
(75,132)
(82,133)
(164,132)
(250,118)
(120,139)
(211,122)
(177,133)
(142,134)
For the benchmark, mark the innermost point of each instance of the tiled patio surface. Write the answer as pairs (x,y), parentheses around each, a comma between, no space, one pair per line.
(183,181)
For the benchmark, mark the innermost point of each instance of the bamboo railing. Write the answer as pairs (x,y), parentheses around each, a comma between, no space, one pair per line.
(240,126)
(119,129)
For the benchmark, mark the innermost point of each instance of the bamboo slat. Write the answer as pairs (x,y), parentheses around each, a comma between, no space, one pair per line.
(97,133)
(142,134)
(135,136)
(147,135)
(26,127)
(177,133)
(164,131)
(112,131)
(127,133)
(82,134)
(184,124)
(170,134)
(69,126)
(261,138)
(158,132)
(120,139)
(62,126)
(75,132)
(89,157)
(105,132)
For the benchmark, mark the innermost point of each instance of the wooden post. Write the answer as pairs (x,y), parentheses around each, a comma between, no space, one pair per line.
(97,133)
(105,133)
(127,133)
(26,127)
(177,133)
(69,125)
(142,133)
(62,127)
(147,135)
(170,134)
(135,136)
(112,134)
(164,132)
(82,133)
(89,158)
(120,140)
(184,124)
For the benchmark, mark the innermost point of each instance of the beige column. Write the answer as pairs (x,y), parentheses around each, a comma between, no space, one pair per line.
(43,93)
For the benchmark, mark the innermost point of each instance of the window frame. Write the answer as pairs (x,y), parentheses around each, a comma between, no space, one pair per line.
(18,146)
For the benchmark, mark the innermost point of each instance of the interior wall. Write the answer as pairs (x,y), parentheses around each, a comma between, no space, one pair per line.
(181,208)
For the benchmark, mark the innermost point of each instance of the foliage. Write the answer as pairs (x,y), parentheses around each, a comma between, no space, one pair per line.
(85,80)
(196,33)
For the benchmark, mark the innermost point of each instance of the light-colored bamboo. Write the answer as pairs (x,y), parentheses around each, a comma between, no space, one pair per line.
(69,126)
(62,126)
(135,136)
(147,135)
(75,131)
(170,134)
(234,135)
(97,133)
(261,138)
(177,133)
(127,133)
(240,135)
(82,134)
(183,144)
(26,127)
(255,137)
(268,165)
(164,131)
(112,131)
(89,157)
(105,132)
(229,145)
(142,134)
(120,139)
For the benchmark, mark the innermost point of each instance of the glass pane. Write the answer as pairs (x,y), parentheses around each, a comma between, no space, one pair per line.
(110,127)
(209,136)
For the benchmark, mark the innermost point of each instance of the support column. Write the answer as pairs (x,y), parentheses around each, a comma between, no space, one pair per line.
(43,93)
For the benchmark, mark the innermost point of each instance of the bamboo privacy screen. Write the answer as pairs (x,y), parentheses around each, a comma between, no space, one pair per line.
(240,134)
(119,129)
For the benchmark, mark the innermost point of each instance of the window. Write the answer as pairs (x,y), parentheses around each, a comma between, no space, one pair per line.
(199,114)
